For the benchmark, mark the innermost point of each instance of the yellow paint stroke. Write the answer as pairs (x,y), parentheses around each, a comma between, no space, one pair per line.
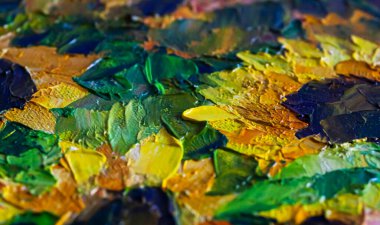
(157,159)
(300,48)
(335,49)
(8,211)
(365,50)
(266,63)
(58,96)
(207,113)
(84,163)
(64,219)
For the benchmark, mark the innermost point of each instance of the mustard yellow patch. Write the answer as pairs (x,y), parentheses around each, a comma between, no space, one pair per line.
(34,116)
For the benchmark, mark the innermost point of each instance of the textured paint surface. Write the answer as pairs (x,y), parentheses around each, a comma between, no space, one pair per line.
(190,112)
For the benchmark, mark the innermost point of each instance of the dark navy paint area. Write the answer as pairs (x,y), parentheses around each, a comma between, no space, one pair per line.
(320,220)
(16,85)
(153,7)
(148,206)
(314,7)
(8,10)
(341,109)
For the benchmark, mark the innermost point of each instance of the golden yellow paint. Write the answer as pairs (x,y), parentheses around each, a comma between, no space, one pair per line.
(157,158)
(303,146)
(8,211)
(334,19)
(34,116)
(61,199)
(200,204)
(360,69)
(335,49)
(164,137)
(5,40)
(36,113)
(279,157)
(182,12)
(300,48)
(2,123)
(309,63)
(116,174)
(346,203)
(196,177)
(227,126)
(58,96)
(365,50)
(191,183)
(282,214)
(207,113)
(294,66)
(65,218)
(306,60)
(262,125)
(376,57)
(309,70)
(305,56)
(266,63)
(343,204)
(47,67)
(84,163)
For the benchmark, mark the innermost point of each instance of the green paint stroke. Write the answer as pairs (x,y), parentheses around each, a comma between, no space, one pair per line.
(344,156)
(31,218)
(159,67)
(234,172)
(270,194)
(82,126)
(29,162)
(125,125)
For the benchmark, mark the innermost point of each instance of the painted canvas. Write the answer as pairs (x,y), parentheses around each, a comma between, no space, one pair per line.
(190,112)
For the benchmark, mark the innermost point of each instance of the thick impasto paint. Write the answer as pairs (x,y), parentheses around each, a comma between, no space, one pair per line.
(190,112)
